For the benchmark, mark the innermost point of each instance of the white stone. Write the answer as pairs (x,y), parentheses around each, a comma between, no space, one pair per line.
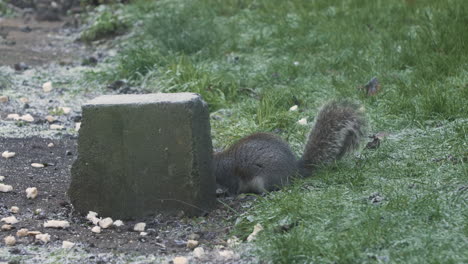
(34,233)
(256,230)
(50,118)
(233,241)
(50,145)
(31,193)
(37,165)
(139,227)
(192,244)
(65,110)
(56,127)
(7,154)
(22,232)
(13,116)
(10,241)
(57,224)
(47,87)
(4,99)
(199,253)
(27,118)
(143,234)
(24,100)
(2,178)
(37,211)
(92,217)
(5,188)
(10,220)
(106,222)
(293,108)
(302,121)
(180,260)
(118,223)
(67,244)
(43,237)
(227,254)
(14,209)
(96,229)
(77,126)
(6,227)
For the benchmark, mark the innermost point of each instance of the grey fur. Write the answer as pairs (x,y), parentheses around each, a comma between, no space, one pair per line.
(264,162)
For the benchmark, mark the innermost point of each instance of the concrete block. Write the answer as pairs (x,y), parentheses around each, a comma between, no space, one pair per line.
(143,154)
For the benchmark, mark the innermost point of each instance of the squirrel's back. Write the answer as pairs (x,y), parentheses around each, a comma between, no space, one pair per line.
(264,162)
(257,163)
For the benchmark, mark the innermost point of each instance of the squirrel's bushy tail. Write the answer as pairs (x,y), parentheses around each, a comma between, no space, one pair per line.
(339,128)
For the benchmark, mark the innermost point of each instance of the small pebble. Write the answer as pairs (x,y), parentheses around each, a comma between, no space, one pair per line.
(43,237)
(50,119)
(50,145)
(37,165)
(106,222)
(10,241)
(47,87)
(27,118)
(118,223)
(77,126)
(6,227)
(293,108)
(143,234)
(92,216)
(5,188)
(31,193)
(14,209)
(66,110)
(67,244)
(24,100)
(192,244)
(180,260)
(22,232)
(7,154)
(2,178)
(139,227)
(10,220)
(56,127)
(227,254)
(233,241)
(57,224)
(96,229)
(302,121)
(4,99)
(199,253)
(256,230)
(13,116)
(33,233)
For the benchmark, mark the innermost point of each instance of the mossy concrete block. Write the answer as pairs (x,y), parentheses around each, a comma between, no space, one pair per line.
(144,154)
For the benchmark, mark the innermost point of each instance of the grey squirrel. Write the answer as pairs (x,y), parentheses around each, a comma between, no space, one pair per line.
(263,162)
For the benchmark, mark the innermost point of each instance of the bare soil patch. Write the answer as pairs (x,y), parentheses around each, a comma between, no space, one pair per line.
(166,234)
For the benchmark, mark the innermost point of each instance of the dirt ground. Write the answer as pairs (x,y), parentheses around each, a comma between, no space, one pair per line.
(35,43)
(165,234)
(39,45)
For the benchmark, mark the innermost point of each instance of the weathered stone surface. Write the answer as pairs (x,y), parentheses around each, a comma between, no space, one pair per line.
(143,154)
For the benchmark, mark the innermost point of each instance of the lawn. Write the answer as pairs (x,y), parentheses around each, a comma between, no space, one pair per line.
(251,60)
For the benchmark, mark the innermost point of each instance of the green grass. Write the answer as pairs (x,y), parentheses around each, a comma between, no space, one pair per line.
(253,60)
(106,22)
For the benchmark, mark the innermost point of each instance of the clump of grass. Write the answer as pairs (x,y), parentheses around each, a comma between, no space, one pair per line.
(5,10)
(107,23)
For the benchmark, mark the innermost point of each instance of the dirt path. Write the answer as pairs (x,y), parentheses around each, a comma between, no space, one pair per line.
(36,42)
